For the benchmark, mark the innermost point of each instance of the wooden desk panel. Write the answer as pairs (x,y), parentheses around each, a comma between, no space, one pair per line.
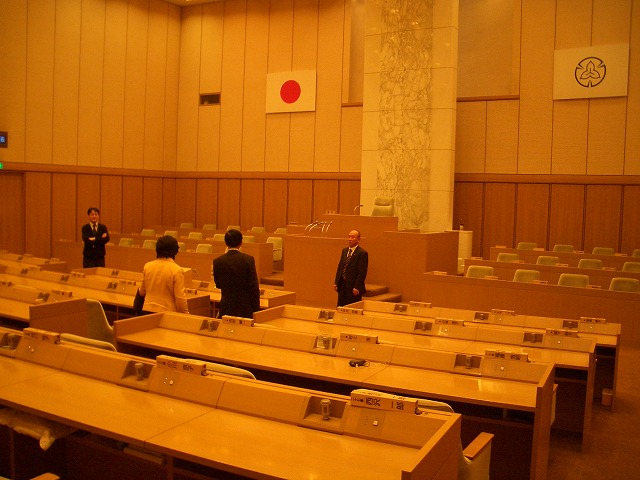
(53,264)
(534,299)
(569,258)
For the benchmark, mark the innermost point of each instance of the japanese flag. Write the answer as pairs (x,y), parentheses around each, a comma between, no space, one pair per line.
(291,91)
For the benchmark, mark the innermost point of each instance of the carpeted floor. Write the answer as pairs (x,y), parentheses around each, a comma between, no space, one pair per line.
(614,453)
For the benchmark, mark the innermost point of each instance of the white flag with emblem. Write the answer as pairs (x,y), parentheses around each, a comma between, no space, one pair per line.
(291,91)
(598,71)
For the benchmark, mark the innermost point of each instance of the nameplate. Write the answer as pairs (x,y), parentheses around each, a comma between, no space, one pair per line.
(114,273)
(230,319)
(438,272)
(78,274)
(6,283)
(561,332)
(41,335)
(506,355)
(354,337)
(400,307)
(481,316)
(62,293)
(191,291)
(498,311)
(383,401)
(449,321)
(570,324)
(540,282)
(326,314)
(593,320)
(609,269)
(595,287)
(420,304)
(355,311)
(490,277)
(64,278)
(562,264)
(184,365)
(619,254)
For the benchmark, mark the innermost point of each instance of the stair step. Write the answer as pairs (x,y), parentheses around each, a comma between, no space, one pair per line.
(275,279)
(386,297)
(373,289)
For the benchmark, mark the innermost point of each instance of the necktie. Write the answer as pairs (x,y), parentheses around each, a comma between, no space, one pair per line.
(95,229)
(346,264)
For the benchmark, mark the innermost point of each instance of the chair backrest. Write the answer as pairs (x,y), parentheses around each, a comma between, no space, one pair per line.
(603,251)
(218,237)
(382,207)
(573,280)
(631,267)
(622,284)
(209,226)
(547,260)
(204,248)
(248,239)
(86,341)
(277,247)
(508,257)
(186,225)
(526,276)
(150,244)
(182,247)
(148,232)
(594,263)
(98,326)
(233,227)
(195,236)
(283,230)
(562,248)
(479,271)
(228,370)
(526,245)
(171,233)
(258,229)
(636,252)
(125,242)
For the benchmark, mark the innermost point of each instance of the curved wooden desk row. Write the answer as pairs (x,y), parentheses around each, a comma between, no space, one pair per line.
(535,300)
(26,260)
(551,273)
(188,418)
(499,395)
(569,258)
(116,295)
(575,371)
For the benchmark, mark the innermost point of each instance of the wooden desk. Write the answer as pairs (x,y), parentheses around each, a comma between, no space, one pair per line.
(42,308)
(286,356)
(574,357)
(535,299)
(194,437)
(116,297)
(26,260)
(569,258)
(551,273)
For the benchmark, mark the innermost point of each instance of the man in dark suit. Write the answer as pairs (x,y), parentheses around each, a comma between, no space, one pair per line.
(234,273)
(94,236)
(352,271)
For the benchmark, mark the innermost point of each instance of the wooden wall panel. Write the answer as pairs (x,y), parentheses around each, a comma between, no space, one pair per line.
(63,206)
(233,48)
(630,237)
(12,214)
(498,226)
(229,202)
(605,149)
(502,137)
(251,203)
(349,196)
(351,140)
(532,213)
(467,209)
(570,125)
(39,101)
(602,216)
(170,138)
(255,88)
(132,202)
(37,206)
(300,202)
(113,92)
(325,197)
(632,147)
(275,204)
(152,202)
(66,83)
(90,88)
(185,200)
(169,202)
(111,202)
(566,217)
(88,196)
(206,201)
(471,137)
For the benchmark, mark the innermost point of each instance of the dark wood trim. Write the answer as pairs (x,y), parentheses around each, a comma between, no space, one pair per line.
(488,98)
(548,179)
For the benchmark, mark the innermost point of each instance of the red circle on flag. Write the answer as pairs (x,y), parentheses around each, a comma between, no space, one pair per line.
(290,91)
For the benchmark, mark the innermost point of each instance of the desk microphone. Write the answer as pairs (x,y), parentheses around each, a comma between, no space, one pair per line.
(357,207)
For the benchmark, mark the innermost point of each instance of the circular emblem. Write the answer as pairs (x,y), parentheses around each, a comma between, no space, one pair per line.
(590,72)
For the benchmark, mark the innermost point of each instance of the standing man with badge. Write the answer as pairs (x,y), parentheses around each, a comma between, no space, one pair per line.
(352,271)
(94,236)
